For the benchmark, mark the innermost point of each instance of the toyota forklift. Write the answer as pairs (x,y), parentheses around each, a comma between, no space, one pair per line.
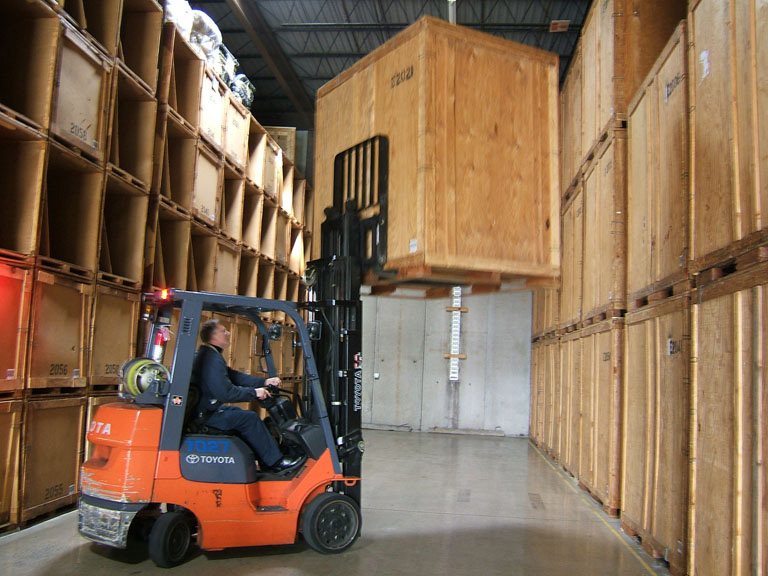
(156,472)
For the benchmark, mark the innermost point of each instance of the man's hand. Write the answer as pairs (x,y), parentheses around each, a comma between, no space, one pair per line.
(262,393)
(275,381)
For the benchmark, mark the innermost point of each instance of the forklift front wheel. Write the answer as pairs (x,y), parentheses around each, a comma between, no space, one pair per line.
(170,539)
(331,523)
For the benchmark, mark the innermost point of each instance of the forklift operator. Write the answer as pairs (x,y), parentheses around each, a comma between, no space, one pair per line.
(220,384)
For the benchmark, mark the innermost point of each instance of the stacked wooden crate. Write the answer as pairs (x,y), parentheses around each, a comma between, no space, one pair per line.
(110,156)
(691,425)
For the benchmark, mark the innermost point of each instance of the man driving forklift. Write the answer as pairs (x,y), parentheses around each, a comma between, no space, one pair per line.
(218,383)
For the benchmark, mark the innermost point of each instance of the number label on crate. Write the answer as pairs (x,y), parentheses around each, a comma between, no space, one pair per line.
(55,491)
(111,368)
(404,75)
(78,131)
(606,356)
(59,370)
(674,347)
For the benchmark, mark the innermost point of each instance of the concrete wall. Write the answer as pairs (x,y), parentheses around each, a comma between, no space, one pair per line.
(405,373)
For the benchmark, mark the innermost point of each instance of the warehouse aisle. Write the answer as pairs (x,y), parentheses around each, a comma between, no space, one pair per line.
(433,504)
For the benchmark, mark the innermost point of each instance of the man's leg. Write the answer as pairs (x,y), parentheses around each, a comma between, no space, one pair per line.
(252,429)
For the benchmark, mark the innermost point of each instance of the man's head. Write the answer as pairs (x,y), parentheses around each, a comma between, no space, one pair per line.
(215,333)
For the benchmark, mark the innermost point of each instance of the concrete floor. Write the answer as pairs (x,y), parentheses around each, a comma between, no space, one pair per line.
(433,504)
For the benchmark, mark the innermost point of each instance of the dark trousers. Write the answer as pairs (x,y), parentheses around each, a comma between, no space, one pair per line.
(251,428)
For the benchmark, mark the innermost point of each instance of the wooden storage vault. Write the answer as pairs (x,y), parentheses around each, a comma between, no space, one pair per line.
(472,124)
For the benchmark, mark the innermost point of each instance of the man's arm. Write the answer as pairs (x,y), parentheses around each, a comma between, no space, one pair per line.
(214,375)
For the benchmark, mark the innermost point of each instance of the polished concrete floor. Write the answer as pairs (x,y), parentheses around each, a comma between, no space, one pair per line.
(433,504)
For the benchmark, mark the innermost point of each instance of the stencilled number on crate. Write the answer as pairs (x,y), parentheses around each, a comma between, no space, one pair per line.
(606,356)
(671,86)
(674,347)
(111,368)
(402,76)
(55,491)
(59,370)
(78,131)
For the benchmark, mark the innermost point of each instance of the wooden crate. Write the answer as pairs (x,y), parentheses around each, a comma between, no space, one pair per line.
(227,267)
(621,40)
(207,187)
(22,169)
(570,378)
(243,333)
(269,229)
(281,290)
(657,175)
(172,245)
(53,451)
(537,397)
(113,327)
(573,261)
(123,231)
(29,39)
(570,123)
(180,80)
(309,210)
(296,262)
(140,32)
(132,129)
(272,175)
(98,20)
(213,109)
(230,221)
(257,149)
(81,94)
(266,279)
(604,272)
(16,290)
(602,347)
(455,151)
(247,278)
(58,333)
(253,208)
(71,217)
(728,128)
(201,270)
(299,196)
(285,137)
(283,238)
(176,164)
(553,397)
(10,443)
(545,311)
(236,131)
(655,430)
(286,188)
(729,436)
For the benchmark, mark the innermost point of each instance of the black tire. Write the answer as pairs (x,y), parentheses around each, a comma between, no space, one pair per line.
(331,523)
(170,539)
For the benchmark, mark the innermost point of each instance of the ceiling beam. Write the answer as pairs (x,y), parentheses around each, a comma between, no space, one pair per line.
(258,30)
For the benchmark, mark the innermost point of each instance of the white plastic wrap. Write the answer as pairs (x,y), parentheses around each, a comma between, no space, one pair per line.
(225,65)
(180,13)
(205,36)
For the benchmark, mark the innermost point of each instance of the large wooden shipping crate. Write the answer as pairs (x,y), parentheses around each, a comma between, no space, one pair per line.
(654,504)
(472,127)
(620,41)
(10,444)
(546,303)
(573,261)
(729,184)
(657,176)
(536,424)
(52,454)
(16,290)
(570,123)
(602,348)
(570,379)
(729,516)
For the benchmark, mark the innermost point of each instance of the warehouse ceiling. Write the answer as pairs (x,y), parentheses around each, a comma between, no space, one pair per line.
(290,48)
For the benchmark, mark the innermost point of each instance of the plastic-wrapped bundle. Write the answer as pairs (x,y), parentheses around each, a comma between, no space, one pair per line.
(225,65)
(180,13)
(205,36)
(243,90)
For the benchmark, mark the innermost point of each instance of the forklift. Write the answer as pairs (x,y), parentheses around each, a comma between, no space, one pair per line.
(155,473)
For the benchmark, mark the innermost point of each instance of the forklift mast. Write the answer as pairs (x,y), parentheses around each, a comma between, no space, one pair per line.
(353,244)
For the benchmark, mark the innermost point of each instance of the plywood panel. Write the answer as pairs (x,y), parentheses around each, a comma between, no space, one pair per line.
(573,261)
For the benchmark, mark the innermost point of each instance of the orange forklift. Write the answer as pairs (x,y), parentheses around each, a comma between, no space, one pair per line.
(155,472)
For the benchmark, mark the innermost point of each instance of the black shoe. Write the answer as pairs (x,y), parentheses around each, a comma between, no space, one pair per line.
(286,462)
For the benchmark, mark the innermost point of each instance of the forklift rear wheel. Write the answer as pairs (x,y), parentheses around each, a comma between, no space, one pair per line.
(331,523)
(170,539)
